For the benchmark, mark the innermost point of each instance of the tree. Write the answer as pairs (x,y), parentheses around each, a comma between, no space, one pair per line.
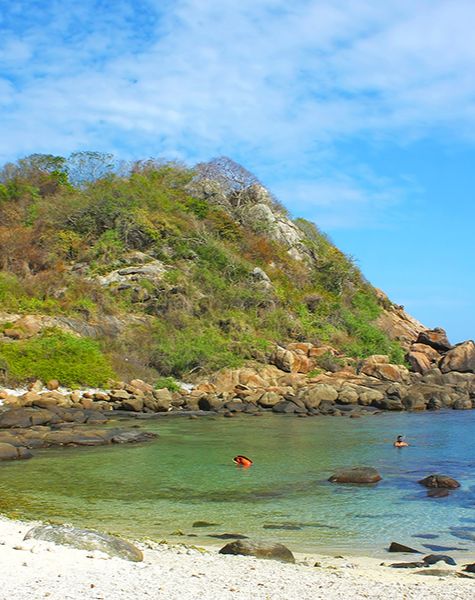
(43,173)
(87,166)
(232,180)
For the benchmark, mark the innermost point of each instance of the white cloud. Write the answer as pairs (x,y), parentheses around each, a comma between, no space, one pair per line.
(266,82)
(341,201)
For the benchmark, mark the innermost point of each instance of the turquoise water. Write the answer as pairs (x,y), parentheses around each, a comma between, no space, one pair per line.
(159,489)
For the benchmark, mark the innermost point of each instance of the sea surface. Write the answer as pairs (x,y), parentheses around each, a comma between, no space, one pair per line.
(158,490)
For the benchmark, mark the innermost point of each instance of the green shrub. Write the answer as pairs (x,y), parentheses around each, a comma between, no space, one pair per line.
(167,382)
(194,347)
(56,355)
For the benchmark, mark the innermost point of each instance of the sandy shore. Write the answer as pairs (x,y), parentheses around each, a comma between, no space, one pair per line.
(32,569)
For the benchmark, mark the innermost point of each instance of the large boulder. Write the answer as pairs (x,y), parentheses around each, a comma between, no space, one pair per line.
(428,351)
(291,361)
(283,359)
(314,395)
(460,358)
(419,361)
(26,417)
(10,452)
(384,371)
(394,404)
(84,539)
(440,481)
(269,399)
(463,402)
(367,396)
(415,401)
(210,402)
(356,475)
(348,395)
(134,404)
(259,550)
(426,395)
(436,338)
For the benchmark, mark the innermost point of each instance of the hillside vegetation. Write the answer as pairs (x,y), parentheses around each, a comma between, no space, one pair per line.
(195,268)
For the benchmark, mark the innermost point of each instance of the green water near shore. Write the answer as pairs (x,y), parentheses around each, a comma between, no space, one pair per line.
(155,489)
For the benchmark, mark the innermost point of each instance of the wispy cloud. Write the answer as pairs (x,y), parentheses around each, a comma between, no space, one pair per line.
(341,201)
(267,82)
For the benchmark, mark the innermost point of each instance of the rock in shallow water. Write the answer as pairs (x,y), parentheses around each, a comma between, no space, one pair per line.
(259,550)
(204,524)
(84,539)
(440,481)
(11,452)
(356,475)
(396,547)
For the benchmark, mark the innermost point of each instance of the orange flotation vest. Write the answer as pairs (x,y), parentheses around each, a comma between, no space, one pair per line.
(242,461)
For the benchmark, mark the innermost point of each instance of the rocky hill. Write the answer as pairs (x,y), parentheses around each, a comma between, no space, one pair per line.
(154,270)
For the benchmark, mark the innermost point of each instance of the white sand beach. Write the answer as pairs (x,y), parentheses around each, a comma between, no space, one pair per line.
(32,569)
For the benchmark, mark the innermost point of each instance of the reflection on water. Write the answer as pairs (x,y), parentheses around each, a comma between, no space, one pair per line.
(187,475)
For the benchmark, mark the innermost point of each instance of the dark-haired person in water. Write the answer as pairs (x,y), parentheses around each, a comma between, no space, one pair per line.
(242,461)
(399,443)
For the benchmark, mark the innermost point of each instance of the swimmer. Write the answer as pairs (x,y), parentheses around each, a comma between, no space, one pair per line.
(399,443)
(242,461)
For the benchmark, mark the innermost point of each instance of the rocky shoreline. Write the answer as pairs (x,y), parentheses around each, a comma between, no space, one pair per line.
(441,377)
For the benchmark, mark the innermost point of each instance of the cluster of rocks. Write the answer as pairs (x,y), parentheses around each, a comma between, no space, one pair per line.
(432,350)
(439,486)
(441,376)
(26,429)
(288,385)
(136,396)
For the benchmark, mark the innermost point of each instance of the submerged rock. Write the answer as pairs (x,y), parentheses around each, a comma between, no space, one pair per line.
(356,475)
(438,493)
(437,548)
(463,533)
(440,481)
(228,536)
(85,539)
(285,526)
(205,524)
(259,550)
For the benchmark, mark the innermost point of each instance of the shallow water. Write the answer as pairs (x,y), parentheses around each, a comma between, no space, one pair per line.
(187,475)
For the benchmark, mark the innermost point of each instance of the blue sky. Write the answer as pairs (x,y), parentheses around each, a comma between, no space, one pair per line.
(359,115)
